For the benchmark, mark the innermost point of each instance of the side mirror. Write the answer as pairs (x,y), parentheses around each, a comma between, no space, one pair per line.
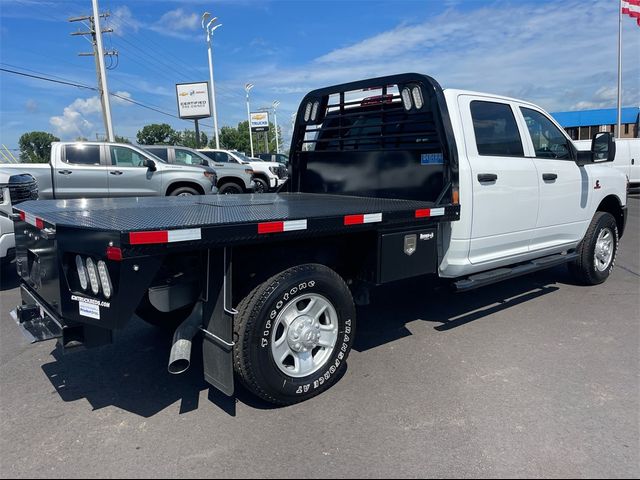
(150,164)
(603,148)
(205,163)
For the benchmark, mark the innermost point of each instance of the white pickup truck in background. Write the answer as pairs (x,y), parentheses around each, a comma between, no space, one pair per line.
(14,188)
(627,159)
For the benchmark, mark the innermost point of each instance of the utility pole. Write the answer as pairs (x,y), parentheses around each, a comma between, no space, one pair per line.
(275,120)
(99,54)
(248,87)
(210,28)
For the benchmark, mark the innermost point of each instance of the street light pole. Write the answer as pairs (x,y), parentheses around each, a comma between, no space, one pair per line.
(275,120)
(248,87)
(210,28)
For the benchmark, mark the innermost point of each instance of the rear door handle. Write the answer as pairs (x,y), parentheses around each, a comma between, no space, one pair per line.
(65,172)
(487,177)
(549,177)
(115,172)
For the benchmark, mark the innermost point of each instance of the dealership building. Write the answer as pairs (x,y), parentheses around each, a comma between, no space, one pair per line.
(584,124)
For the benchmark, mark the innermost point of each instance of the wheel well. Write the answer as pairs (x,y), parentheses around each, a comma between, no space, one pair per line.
(349,256)
(262,176)
(612,205)
(175,185)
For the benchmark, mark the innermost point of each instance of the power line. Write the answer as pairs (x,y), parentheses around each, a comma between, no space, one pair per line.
(95,89)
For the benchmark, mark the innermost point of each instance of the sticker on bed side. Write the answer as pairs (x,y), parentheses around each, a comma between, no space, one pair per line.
(89,310)
(431,158)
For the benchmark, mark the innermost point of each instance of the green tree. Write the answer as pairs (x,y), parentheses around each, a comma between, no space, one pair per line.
(158,134)
(35,147)
(237,138)
(188,139)
(120,139)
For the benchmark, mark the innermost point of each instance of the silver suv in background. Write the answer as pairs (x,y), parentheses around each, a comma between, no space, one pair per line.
(100,169)
(232,177)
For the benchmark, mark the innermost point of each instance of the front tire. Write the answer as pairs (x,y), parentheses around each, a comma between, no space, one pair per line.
(261,186)
(293,334)
(597,251)
(230,188)
(183,192)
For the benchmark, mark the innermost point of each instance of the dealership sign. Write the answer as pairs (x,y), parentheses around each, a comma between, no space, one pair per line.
(259,121)
(193,100)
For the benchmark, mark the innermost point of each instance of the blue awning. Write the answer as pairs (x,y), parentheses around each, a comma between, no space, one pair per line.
(602,116)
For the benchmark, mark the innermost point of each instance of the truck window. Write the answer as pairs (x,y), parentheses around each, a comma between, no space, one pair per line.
(496,129)
(162,153)
(82,154)
(185,157)
(548,141)
(222,157)
(126,157)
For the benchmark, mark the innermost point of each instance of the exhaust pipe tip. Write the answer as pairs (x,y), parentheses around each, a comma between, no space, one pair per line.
(180,358)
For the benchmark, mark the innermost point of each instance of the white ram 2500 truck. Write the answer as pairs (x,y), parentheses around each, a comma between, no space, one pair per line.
(412,180)
(99,169)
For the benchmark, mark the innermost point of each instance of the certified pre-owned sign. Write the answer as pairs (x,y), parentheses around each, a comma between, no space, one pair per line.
(193,100)
(259,121)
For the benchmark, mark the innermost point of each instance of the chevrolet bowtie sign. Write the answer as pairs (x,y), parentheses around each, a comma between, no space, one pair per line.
(193,100)
(259,121)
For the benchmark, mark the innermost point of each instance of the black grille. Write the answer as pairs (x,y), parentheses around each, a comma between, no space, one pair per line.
(22,187)
(282,172)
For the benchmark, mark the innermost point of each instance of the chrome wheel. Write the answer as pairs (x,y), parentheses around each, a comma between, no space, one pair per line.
(304,335)
(185,194)
(603,254)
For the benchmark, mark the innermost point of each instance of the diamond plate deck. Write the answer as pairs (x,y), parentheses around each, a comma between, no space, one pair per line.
(164,213)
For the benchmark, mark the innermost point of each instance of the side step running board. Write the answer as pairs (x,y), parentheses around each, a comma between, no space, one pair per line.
(493,276)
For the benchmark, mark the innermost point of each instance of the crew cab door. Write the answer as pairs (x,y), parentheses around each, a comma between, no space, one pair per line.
(504,180)
(128,177)
(80,172)
(562,212)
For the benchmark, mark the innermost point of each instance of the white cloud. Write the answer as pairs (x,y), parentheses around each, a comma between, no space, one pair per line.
(80,117)
(177,23)
(31,105)
(122,21)
(556,54)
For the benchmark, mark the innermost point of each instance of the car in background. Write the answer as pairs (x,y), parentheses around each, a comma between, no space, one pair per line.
(269,176)
(101,169)
(14,188)
(627,159)
(274,157)
(232,177)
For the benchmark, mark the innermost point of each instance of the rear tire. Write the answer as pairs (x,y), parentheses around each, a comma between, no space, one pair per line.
(230,188)
(293,334)
(183,192)
(597,251)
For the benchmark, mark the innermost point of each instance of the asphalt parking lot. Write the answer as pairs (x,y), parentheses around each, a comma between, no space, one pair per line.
(535,377)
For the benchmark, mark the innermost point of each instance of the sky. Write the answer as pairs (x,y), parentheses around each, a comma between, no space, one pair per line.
(561,55)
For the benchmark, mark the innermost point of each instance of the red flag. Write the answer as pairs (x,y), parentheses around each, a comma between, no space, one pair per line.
(631,8)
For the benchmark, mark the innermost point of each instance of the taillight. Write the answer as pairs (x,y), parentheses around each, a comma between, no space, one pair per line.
(105,281)
(406,99)
(82,272)
(93,276)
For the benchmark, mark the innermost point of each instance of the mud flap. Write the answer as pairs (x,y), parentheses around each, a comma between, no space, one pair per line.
(217,347)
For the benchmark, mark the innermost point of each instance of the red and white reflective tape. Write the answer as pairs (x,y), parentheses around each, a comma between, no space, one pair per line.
(278,227)
(361,219)
(165,236)
(32,220)
(430,212)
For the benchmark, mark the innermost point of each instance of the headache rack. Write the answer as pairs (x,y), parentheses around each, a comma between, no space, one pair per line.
(387,137)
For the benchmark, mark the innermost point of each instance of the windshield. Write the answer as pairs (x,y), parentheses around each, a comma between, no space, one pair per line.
(241,156)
